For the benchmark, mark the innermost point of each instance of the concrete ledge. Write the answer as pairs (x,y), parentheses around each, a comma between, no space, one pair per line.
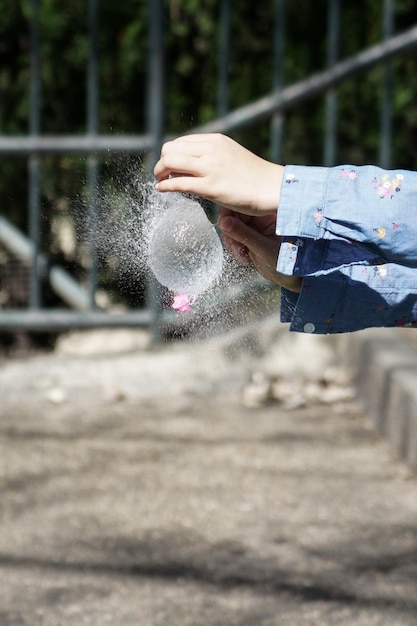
(385,370)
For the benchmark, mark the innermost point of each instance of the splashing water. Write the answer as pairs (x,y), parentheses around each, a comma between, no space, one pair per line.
(139,231)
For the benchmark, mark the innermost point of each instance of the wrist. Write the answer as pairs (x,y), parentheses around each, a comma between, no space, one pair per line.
(270,187)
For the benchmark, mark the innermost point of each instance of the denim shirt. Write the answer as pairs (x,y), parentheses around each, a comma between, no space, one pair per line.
(351,233)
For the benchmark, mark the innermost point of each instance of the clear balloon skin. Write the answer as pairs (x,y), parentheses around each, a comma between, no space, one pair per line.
(185,252)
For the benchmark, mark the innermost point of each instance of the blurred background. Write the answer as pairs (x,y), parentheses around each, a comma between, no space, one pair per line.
(89,90)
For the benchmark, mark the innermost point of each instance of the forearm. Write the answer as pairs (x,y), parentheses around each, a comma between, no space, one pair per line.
(371,209)
(353,242)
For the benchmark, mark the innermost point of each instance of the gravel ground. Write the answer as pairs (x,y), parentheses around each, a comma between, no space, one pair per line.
(128,501)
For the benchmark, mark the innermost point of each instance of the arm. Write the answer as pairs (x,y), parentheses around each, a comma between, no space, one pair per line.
(372,209)
(345,236)
(351,233)
(217,168)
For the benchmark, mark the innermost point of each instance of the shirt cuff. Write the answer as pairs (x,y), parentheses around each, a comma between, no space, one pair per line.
(301,202)
(305,257)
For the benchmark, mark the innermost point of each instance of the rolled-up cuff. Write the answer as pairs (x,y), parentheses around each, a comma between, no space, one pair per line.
(301,202)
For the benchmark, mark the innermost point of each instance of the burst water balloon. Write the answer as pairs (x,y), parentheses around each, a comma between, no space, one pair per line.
(184,251)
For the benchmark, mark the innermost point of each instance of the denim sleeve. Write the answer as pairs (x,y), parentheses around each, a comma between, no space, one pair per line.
(352,234)
(371,208)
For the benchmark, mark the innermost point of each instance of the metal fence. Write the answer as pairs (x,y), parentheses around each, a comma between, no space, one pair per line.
(82,311)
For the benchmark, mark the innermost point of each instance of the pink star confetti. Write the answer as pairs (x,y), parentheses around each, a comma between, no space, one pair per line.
(181,303)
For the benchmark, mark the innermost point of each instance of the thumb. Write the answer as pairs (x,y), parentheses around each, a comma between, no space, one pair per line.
(237,230)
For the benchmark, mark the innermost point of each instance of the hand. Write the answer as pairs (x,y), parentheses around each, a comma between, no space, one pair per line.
(217,168)
(253,239)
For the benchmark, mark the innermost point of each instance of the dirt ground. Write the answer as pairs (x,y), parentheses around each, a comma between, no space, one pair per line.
(186,502)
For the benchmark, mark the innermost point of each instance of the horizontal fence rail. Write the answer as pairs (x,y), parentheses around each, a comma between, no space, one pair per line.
(76,144)
(318,83)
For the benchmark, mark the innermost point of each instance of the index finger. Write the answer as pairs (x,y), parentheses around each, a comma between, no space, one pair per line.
(174,163)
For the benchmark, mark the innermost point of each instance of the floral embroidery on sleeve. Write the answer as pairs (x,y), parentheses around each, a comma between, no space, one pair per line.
(350,174)
(386,188)
(290,178)
(380,271)
(292,251)
(382,231)
(318,215)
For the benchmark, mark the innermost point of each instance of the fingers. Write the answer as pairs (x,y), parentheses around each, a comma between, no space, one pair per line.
(238,231)
(236,249)
(217,168)
(177,163)
(225,212)
(182,155)
(202,138)
(182,183)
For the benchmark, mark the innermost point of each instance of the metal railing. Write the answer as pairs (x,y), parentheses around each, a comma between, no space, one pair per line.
(272,106)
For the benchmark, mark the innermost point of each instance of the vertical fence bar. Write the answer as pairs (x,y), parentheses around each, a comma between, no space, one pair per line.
(223,59)
(155,125)
(33,161)
(333,35)
(386,102)
(155,112)
(92,129)
(277,121)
